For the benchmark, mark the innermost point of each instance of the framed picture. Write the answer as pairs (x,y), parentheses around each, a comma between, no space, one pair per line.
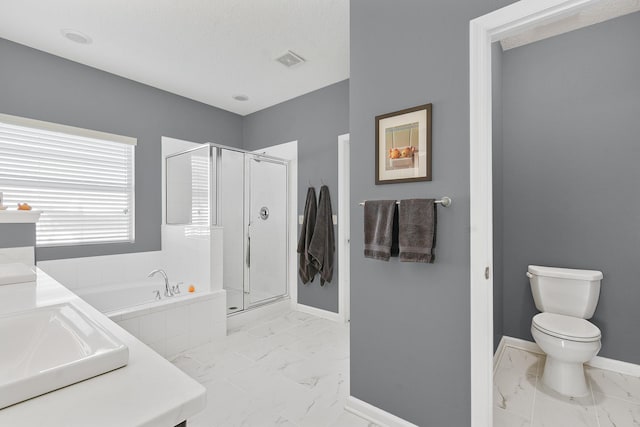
(403,146)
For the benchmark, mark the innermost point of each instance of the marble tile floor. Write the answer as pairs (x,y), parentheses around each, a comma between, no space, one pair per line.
(521,400)
(288,369)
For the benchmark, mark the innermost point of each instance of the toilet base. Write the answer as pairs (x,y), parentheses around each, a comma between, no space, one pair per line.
(567,378)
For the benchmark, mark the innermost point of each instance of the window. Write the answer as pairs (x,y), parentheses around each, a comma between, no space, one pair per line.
(82,180)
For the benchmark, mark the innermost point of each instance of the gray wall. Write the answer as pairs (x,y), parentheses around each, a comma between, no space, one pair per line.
(410,322)
(571,175)
(315,120)
(498,295)
(45,87)
(17,235)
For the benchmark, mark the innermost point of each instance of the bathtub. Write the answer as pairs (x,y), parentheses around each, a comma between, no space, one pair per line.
(169,325)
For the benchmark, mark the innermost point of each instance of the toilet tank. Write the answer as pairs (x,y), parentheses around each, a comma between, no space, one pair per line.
(565,290)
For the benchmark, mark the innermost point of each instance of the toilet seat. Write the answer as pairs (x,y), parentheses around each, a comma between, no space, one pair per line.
(566,327)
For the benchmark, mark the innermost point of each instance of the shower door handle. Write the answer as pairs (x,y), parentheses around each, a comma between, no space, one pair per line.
(247,285)
(248,251)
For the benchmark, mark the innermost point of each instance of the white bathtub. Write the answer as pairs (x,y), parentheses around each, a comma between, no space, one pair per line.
(124,298)
(169,325)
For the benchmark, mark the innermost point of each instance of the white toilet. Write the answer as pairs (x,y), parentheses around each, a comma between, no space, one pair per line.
(566,298)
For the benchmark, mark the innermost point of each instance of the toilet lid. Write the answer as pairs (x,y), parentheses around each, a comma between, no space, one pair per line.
(566,327)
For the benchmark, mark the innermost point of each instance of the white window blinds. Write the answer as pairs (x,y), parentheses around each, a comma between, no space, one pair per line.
(82,180)
(199,190)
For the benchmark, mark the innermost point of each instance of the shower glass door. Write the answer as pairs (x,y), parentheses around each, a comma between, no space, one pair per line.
(266,218)
(232,218)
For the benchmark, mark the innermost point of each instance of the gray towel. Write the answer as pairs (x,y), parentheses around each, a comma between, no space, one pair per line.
(305,268)
(417,230)
(378,228)
(323,242)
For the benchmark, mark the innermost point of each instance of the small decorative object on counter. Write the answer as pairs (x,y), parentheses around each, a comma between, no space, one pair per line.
(192,288)
(24,207)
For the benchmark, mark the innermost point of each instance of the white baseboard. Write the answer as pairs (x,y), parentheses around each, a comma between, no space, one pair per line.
(374,414)
(499,351)
(599,362)
(329,315)
(625,368)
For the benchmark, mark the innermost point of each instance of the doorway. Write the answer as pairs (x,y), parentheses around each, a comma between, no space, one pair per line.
(513,20)
(344,233)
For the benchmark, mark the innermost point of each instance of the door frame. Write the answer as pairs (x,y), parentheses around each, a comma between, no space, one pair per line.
(483,31)
(344,228)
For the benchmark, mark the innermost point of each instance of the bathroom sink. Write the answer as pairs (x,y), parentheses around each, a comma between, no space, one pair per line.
(46,348)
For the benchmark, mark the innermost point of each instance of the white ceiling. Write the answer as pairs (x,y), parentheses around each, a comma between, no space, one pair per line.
(206,50)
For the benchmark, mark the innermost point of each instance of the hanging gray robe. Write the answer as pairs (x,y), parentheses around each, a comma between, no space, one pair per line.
(306,269)
(323,243)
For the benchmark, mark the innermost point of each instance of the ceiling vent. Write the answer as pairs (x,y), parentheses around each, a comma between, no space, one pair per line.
(290,59)
(76,36)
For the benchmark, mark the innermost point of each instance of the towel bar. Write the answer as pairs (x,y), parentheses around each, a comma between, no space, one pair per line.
(445,202)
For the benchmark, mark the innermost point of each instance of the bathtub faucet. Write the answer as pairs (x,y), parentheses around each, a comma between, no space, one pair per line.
(167,289)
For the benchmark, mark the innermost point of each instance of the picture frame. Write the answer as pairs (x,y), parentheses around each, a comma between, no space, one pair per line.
(403,146)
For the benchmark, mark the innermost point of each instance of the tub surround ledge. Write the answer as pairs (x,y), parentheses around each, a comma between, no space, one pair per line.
(149,391)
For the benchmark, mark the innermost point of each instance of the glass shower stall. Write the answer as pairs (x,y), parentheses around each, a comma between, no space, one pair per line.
(247,195)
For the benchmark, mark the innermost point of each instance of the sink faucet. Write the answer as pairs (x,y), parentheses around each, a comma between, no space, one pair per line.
(167,289)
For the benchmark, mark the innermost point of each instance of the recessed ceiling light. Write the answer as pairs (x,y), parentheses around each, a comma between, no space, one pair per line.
(290,59)
(241,98)
(76,36)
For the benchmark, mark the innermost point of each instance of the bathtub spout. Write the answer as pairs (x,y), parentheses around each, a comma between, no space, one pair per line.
(167,289)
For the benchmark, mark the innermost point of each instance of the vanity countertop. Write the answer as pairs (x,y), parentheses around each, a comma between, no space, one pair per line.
(149,391)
